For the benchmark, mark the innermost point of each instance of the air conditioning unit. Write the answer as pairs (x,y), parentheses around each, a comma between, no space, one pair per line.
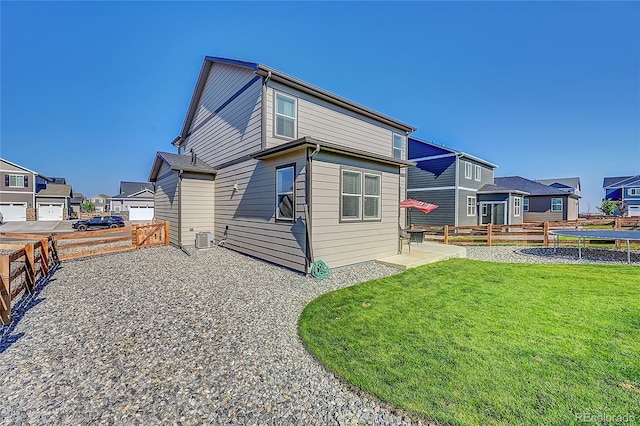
(204,240)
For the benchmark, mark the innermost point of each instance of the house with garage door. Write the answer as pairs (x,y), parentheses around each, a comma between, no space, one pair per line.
(53,202)
(274,167)
(17,194)
(135,201)
(625,189)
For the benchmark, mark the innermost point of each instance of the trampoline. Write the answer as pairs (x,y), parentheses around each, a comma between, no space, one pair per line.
(599,234)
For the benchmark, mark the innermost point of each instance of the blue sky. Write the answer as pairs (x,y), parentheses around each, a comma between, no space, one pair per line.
(91,90)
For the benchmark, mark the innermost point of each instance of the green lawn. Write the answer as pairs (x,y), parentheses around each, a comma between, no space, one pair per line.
(468,342)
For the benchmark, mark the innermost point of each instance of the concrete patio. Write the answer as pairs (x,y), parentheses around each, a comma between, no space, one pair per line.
(422,254)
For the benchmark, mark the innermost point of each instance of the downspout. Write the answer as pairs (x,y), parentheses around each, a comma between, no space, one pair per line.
(309,207)
(180,213)
(456,192)
(264,109)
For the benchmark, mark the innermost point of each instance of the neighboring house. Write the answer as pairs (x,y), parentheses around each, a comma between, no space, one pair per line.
(625,189)
(542,202)
(17,194)
(461,185)
(282,170)
(134,199)
(54,202)
(100,202)
(77,200)
(570,185)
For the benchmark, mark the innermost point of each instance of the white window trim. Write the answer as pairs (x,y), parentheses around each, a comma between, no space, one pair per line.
(276,114)
(292,192)
(478,173)
(394,149)
(634,191)
(485,210)
(15,177)
(561,205)
(525,204)
(468,170)
(517,206)
(361,197)
(471,205)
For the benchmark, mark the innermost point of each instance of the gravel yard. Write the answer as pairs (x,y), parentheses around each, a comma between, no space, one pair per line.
(158,337)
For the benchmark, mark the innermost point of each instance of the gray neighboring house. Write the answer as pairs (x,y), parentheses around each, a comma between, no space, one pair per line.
(77,200)
(461,185)
(135,201)
(570,185)
(100,202)
(17,192)
(54,202)
(282,170)
(543,202)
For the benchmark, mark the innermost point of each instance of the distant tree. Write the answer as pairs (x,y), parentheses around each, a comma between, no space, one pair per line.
(88,206)
(608,207)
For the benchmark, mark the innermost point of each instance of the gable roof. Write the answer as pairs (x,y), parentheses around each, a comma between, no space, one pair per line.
(100,196)
(18,166)
(529,186)
(272,74)
(572,182)
(55,190)
(497,189)
(179,162)
(454,152)
(609,182)
(128,189)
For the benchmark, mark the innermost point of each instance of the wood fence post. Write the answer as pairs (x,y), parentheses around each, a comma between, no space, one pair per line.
(545,230)
(30,267)
(616,226)
(166,233)
(44,253)
(489,231)
(446,234)
(135,238)
(5,290)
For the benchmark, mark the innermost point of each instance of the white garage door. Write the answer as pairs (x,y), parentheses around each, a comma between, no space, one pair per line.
(634,211)
(13,212)
(140,213)
(50,211)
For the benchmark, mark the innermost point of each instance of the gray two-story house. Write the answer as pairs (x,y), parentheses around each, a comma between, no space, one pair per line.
(282,170)
(17,192)
(461,185)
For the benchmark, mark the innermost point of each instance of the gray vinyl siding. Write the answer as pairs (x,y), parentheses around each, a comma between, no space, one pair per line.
(443,215)
(245,218)
(343,243)
(20,194)
(486,175)
(440,172)
(197,197)
(540,209)
(330,123)
(237,129)
(463,219)
(166,200)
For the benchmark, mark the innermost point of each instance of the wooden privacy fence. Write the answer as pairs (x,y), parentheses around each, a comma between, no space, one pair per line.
(21,270)
(28,262)
(534,233)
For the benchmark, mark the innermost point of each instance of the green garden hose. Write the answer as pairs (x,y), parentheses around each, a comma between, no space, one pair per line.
(320,270)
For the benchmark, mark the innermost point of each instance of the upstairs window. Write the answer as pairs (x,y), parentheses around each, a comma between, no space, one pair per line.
(286,113)
(478,173)
(398,145)
(634,191)
(16,181)
(361,196)
(517,206)
(468,170)
(525,205)
(556,204)
(284,193)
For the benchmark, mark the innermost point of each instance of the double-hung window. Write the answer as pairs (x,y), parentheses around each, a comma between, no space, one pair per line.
(525,205)
(478,173)
(517,206)
(398,142)
(286,116)
(361,195)
(556,204)
(468,170)
(471,206)
(634,191)
(285,207)
(16,181)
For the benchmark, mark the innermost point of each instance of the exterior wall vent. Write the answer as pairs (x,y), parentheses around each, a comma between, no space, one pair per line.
(204,240)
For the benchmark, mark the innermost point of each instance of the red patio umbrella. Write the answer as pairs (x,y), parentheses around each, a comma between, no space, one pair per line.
(410,203)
